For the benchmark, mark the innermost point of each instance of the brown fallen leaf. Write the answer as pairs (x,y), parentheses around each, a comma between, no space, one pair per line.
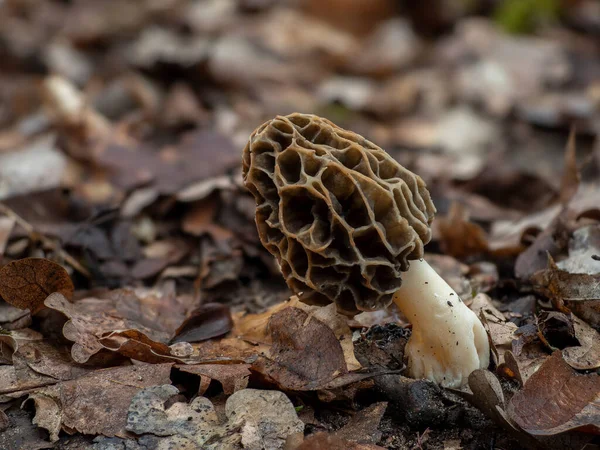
(362,428)
(137,323)
(305,353)
(232,377)
(587,355)
(11,340)
(96,403)
(500,331)
(158,256)
(458,236)
(206,322)
(49,359)
(324,441)
(557,399)
(27,282)
(136,345)
(576,292)
(18,379)
(200,219)
(488,396)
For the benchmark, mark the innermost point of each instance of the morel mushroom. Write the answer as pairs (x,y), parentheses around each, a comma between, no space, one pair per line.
(347,224)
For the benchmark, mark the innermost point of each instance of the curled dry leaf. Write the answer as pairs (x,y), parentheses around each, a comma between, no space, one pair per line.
(489,398)
(208,321)
(501,332)
(137,323)
(11,340)
(557,399)
(27,282)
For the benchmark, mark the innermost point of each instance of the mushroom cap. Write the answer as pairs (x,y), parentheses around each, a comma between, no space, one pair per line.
(342,217)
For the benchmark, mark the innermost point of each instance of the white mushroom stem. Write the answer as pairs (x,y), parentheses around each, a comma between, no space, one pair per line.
(448,340)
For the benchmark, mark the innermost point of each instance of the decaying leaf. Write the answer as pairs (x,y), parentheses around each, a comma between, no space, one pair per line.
(489,398)
(578,292)
(17,379)
(557,399)
(22,434)
(96,403)
(500,331)
(363,426)
(137,323)
(587,355)
(49,359)
(206,322)
(27,282)
(11,340)
(306,353)
(232,377)
(47,414)
(460,237)
(324,441)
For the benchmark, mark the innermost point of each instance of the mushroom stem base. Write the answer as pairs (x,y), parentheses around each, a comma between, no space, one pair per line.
(448,340)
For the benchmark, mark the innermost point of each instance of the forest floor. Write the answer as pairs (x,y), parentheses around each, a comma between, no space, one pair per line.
(138,307)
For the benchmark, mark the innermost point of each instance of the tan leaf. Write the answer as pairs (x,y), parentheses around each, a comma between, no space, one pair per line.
(137,323)
(557,399)
(27,282)
(305,353)
(232,377)
(578,292)
(47,414)
(587,355)
(459,237)
(97,403)
(324,441)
